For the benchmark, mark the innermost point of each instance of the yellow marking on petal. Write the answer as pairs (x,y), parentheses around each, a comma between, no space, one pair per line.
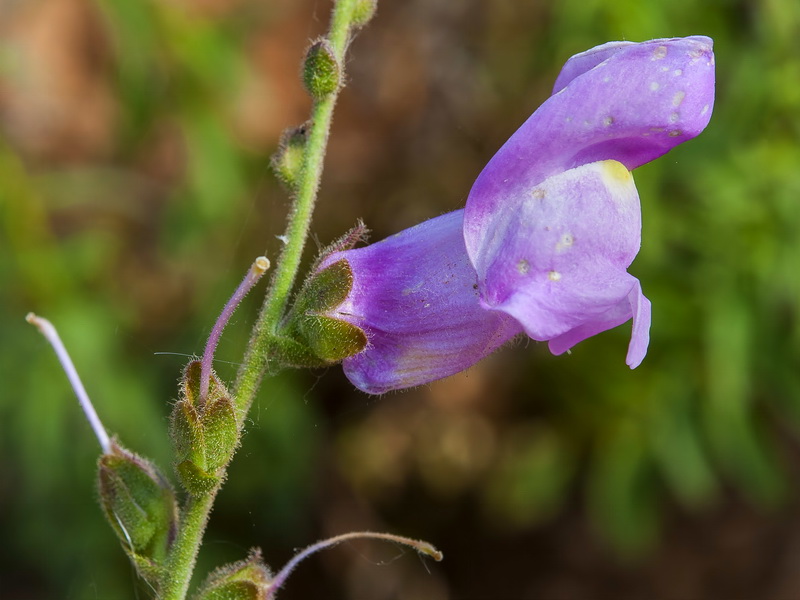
(659,53)
(523,266)
(608,121)
(654,85)
(678,98)
(615,172)
(554,276)
(538,194)
(673,118)
(675,133)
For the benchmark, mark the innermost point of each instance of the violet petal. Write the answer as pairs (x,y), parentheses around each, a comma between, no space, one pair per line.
(633,106)
(415,296)
(555,258)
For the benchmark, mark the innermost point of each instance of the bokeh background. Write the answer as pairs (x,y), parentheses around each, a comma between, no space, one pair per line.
(134,192)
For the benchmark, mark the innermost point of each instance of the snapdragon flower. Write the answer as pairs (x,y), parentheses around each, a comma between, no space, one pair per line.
(549,229)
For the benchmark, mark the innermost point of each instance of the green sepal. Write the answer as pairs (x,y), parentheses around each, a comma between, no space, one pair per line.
(187,434)
(205,432)
(332,339)
(140,506)
(149,570)
(195,480)
(321,71)
(287,162)
(221,433)
(190,385)
(247,579)
(326,289)
(326,339)
(286,352)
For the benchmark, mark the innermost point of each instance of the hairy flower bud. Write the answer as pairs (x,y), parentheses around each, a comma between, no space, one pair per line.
(322,74)
(363,11)
(140,506)
(204,432)
(247,579)
(287,162)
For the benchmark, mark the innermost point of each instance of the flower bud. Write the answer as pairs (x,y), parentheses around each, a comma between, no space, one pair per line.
(363,11)
(140,506)
(321,71)
(204,433)
(287,162)
(247,579)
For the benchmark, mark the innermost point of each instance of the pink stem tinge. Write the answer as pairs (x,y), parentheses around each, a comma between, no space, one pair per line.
(51,335)
(418,545)
(257,269)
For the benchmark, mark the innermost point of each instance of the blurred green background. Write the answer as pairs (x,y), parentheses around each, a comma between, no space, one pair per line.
(134,193)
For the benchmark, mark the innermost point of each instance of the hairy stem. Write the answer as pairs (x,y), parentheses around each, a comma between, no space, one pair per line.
(194,516)
(298,226)
(183,553)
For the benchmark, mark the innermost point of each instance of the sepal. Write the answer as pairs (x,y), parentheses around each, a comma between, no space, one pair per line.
(328,340)
(247,579)
(205,432)
(140,505)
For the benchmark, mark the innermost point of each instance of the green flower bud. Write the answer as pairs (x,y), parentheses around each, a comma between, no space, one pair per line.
(140,506)
(287,162)
(204,432)
(363,11)
(322,74)
(247,579)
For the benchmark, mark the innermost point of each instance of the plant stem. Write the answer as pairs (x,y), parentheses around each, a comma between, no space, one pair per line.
(285,274)
(184,551)
(183,554)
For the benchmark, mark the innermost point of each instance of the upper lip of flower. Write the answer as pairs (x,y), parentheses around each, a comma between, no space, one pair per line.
(557,267)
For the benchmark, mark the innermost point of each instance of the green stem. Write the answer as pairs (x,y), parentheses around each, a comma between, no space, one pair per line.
(298,226)
(183,554)
(184,551)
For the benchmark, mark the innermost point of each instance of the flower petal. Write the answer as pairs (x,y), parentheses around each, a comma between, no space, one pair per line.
(636,305)
(555,258)
(415,295)
(632,106)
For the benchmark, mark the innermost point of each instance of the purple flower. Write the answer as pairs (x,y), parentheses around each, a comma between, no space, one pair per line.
(550,226)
